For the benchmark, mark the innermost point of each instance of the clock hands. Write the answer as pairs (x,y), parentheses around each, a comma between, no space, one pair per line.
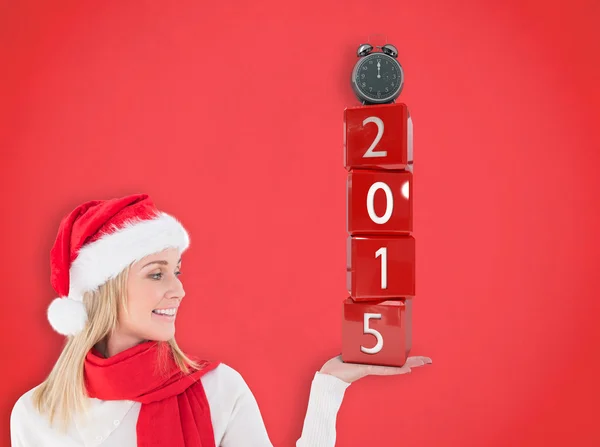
(378,67)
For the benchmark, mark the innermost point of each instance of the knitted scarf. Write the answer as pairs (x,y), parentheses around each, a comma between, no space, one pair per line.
(174,411)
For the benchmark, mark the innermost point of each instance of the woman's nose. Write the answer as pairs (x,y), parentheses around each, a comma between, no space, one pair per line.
(178,290)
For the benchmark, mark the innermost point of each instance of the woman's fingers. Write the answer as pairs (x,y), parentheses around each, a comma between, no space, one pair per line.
(421,357)
(378,370)
(414,361)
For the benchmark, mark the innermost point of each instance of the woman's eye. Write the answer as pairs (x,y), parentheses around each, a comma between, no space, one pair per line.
(160,275)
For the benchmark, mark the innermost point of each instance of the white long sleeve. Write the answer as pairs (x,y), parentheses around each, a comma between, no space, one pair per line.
(325,399)
(245,426)
(235,415)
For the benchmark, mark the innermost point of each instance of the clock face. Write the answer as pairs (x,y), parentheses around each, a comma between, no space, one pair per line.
(378,77)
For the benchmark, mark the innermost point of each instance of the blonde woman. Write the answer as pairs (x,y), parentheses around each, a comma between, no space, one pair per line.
(121,380)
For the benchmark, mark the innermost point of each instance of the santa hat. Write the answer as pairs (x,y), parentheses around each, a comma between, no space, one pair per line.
(95,242)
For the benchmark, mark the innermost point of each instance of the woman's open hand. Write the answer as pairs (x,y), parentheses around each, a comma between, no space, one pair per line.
(350,372)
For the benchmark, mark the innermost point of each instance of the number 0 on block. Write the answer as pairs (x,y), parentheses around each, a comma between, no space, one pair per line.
(379,202)
(377,333)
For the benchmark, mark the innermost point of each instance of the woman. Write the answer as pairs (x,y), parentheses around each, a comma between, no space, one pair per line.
(121,379)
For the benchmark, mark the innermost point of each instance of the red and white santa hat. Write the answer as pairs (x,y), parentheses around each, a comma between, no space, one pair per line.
(95,242)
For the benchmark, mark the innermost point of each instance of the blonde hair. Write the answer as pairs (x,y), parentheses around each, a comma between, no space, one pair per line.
(62,394)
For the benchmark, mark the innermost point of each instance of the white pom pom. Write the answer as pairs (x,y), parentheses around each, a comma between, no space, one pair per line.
(67,316)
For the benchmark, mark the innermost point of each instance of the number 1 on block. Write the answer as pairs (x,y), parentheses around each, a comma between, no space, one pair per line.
(380,267)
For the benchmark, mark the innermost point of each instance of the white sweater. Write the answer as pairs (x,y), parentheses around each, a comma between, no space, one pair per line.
(236,418)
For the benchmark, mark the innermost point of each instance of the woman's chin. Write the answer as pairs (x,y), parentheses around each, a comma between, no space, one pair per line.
(157,335)
(162,332)
(161,328)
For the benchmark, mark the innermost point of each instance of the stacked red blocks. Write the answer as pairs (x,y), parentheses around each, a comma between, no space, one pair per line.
(380,250)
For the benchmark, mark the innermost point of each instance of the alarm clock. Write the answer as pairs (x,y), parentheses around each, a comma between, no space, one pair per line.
(377,77)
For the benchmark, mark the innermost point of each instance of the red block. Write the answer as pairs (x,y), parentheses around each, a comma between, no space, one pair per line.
(379,202)
(380,267)
(378,136)
(377,333)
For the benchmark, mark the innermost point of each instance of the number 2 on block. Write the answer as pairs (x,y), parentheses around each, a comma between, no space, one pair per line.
(370,153)
(377,137)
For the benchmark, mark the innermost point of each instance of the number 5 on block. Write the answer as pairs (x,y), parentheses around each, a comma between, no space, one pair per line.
(377,333)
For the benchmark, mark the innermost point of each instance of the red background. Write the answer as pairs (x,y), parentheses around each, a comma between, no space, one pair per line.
(230,116)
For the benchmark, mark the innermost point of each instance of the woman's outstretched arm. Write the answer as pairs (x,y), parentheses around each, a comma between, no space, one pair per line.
(245,425)
(325,399)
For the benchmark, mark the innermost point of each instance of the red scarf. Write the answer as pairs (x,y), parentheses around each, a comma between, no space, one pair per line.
(174,411)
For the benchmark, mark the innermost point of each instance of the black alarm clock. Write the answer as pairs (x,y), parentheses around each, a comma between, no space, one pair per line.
(377,77)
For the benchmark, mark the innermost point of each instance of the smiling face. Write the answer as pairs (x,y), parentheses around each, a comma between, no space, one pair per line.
(154,293)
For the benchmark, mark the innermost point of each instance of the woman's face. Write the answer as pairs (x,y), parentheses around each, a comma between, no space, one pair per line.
(154,293)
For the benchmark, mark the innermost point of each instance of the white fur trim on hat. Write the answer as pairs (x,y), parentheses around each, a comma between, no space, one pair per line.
(105,258)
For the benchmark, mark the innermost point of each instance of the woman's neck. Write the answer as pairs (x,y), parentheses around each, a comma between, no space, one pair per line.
(116,343)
